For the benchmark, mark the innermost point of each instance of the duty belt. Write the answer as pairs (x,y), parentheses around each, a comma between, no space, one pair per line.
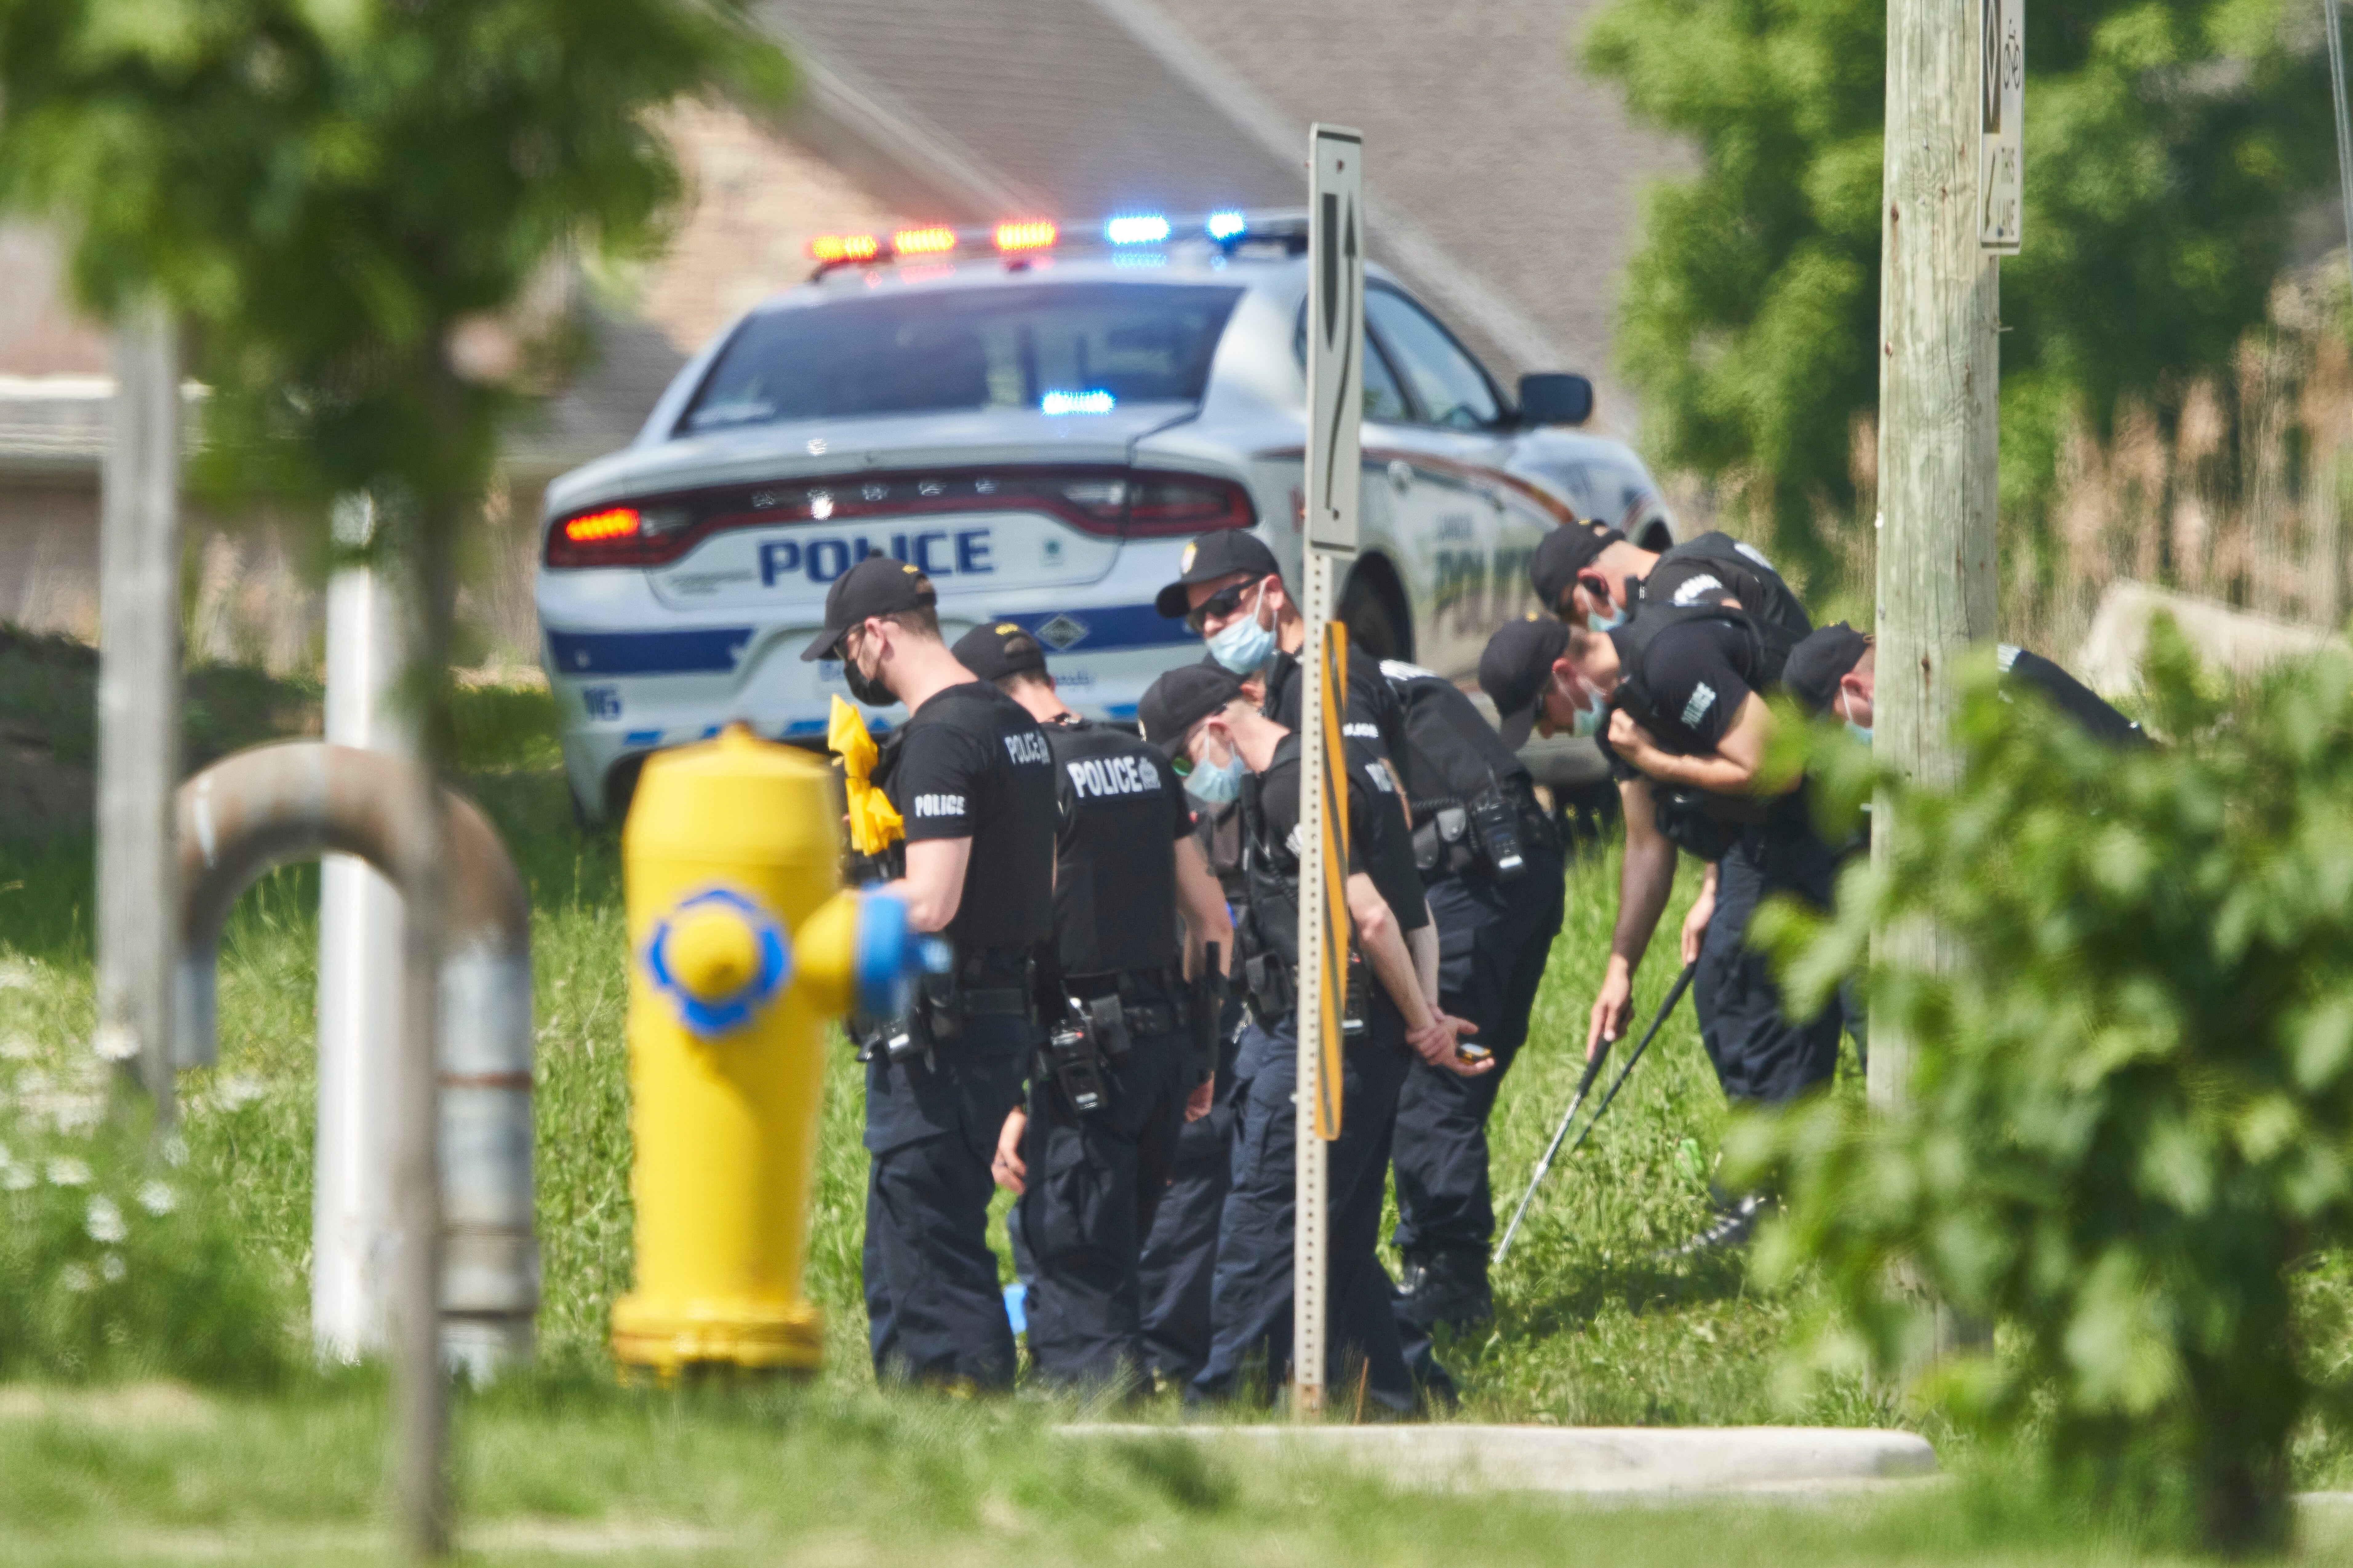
(1152,1001)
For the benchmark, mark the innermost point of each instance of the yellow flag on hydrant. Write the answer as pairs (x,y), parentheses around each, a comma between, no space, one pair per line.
(874,823)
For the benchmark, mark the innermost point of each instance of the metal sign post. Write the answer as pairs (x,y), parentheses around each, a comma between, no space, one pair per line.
(1336,378)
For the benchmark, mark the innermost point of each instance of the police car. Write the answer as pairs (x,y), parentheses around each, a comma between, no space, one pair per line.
(1039,419)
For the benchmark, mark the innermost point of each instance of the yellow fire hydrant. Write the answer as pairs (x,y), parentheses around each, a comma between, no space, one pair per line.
(742,949)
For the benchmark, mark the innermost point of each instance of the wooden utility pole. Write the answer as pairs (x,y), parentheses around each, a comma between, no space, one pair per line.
(1939,373)
(139,704)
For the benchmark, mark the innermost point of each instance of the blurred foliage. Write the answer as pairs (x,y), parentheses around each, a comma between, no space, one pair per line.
(111,1270)
(2130,1119)
(2166,145)
(359,209)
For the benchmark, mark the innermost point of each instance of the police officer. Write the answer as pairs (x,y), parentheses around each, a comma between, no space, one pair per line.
(1592,576)
(1231,592)
(1834,671)
(1491,866)
(1090,1156)
(1682,686)
(1229,750)
(972,777)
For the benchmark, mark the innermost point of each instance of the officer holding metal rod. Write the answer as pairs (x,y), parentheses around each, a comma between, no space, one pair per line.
(1228,750)
(971,776)
(1675,696)
(1121,1068)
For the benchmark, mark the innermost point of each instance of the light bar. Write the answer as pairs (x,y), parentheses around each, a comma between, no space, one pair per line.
(1091,402)
(617,524)
(1140,229)
(922,241)
(832,248)
(1032,235)
(1225,225)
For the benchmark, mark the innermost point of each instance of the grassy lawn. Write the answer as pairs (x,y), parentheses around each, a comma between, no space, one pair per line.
(1591,1329)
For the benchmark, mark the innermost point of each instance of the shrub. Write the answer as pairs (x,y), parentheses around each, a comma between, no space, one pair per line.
(114,1265)
(2131,1106)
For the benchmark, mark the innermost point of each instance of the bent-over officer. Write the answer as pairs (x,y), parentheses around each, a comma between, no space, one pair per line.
(1592,576)
(1122,1066)
(1682,687)
(1229,750)
(972,778)
(1490,867)
(1835,671)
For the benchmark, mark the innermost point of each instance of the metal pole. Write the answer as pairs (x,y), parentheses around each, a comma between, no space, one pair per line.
(1939,369)
(139,703)
(360,940)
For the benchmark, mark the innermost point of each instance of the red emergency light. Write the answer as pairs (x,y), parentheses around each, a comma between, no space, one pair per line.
(1031,235)
(922,241)
(834,247)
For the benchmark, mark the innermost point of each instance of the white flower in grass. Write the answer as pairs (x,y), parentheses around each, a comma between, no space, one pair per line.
(69,1172)
(105,1222)
(176,1149)
(16,1178)
(113,1268)
(76,1277)
(158,1198)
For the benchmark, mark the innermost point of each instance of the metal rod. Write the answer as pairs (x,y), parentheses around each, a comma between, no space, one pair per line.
(1583,1086)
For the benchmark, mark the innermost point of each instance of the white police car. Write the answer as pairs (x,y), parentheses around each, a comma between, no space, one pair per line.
(1040,422)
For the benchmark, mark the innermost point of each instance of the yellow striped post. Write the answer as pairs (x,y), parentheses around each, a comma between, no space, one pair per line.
(1333,995)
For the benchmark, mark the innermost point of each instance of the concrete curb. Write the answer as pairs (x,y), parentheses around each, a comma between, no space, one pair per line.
(1574,1458)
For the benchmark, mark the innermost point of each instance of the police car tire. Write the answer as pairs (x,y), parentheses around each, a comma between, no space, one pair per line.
(1372,621)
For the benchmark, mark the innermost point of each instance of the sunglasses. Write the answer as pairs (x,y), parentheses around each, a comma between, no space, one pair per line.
(1220,604)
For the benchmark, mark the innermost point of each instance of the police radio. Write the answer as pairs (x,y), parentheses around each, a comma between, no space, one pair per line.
(1498,825)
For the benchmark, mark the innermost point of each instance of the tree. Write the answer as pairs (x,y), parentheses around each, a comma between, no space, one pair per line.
(2168,142)
(345,201)
(2130,1127)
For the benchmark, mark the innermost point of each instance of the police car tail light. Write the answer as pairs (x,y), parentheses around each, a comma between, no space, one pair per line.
(621,536)
(1187,503)
(836,247)
(922,242)
(1031,235)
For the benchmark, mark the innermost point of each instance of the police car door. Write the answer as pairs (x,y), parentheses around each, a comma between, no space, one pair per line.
(1442,466)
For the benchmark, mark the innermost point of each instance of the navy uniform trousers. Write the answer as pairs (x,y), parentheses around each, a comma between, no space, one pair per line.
(1762,1057)
(1092,1187)
(934,1311)
(1250,1296)
(1494,939)
(1180,1254)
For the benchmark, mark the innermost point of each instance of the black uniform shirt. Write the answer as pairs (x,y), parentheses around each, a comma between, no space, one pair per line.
(1379,844)
(973,765)
(1373,718)
(1121,810)
(1698,675)
(1713,566)
(2069,695)
(1454,753)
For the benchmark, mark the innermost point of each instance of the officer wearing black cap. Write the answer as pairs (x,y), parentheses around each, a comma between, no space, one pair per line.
(1121,1068)
(1230,591)
(1228,750)
(1681,689)
(1834,671)
(1491,866)
(972,778)
(1590,575)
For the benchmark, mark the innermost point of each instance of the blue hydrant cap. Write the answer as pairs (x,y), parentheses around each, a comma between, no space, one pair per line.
(762,941)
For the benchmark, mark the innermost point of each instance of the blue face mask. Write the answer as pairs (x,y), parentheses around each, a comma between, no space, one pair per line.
(1609,622)
(1587,724)
(1243,646)
(1214,785)
(1859,731)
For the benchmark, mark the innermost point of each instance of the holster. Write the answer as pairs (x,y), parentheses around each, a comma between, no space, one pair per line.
(940,1007)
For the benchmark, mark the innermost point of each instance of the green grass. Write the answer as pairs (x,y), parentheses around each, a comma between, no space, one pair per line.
(1590,1328)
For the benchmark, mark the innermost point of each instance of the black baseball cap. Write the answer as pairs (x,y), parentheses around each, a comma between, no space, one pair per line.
(1181,698)
(1515,669)
(1211,557)
(1815,665)
(999,649)
(878,585)
(1563,554)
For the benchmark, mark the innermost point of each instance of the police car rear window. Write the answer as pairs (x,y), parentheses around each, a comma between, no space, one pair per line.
(1071,348)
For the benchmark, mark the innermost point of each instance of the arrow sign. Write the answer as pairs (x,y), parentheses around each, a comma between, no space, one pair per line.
(1336,370)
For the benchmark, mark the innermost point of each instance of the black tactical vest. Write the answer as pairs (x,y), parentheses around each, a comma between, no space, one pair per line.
(1270,923)
(1760,664)
(1781,620)
(1115,852)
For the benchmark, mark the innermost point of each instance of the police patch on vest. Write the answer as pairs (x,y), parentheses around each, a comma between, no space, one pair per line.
(1361,732)
(1029,748)
(939,805)
(1688,591)
(1399,669)
(1112,775)
(1702,698)
(1380,777)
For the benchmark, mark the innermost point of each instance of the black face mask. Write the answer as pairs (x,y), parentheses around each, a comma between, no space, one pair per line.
(867,688)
